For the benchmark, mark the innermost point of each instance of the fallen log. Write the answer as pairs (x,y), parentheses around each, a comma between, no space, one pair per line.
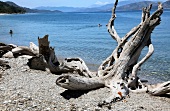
(73,82)
(11,50)
(22,50)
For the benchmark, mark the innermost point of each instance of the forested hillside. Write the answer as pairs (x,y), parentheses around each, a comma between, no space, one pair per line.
(6,8)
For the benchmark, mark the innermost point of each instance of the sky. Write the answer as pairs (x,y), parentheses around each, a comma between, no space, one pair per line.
(56,3)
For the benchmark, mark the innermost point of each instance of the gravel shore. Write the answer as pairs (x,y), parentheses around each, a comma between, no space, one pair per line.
(24,89)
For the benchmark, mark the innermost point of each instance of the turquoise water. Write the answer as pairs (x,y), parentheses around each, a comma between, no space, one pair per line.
(78,35)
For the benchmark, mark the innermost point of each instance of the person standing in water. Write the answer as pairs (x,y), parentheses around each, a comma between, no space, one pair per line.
(11,32)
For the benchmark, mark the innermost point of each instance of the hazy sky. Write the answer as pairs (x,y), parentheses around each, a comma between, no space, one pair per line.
(74,3)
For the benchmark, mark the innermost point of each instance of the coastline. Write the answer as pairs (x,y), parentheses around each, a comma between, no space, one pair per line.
(10,14)
(4,14)
(22,88)
(92,47)
(143,74)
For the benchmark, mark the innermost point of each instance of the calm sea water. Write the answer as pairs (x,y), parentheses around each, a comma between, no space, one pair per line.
(78,35)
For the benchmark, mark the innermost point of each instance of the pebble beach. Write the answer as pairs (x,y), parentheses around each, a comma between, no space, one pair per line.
(25,89)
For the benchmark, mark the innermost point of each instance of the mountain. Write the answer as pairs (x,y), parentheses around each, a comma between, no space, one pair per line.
(28,10)
(15,5)
(166,4)
(140,5)
(62,9)
(41,11)
(93,8)
(126,2)
(6,8)
(70,9)
(12,4)
(137,5)
(106,7)
(133,5)
(122,5)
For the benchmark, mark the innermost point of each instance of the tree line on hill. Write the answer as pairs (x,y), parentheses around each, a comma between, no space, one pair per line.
(11,7)
(6,8)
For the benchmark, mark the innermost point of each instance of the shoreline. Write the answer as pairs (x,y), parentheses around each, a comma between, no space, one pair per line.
(8,13)
(143,74)
(22,88)
(4,14)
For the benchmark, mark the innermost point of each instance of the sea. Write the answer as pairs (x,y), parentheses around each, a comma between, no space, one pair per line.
(78,35)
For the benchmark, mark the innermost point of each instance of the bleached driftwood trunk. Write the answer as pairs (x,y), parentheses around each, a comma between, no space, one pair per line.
(118,71)
(47,60)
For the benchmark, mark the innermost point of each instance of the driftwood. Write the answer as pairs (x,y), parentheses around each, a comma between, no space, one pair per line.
(47,60)
(4,48)
(118,71)
(11,50)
